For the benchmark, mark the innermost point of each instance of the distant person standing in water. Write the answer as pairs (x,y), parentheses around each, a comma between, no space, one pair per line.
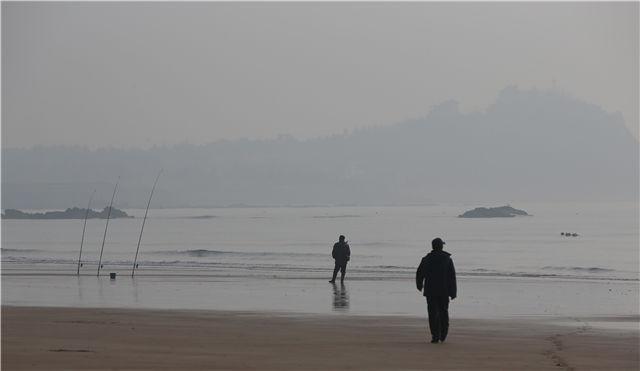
(341,254)
(437,276)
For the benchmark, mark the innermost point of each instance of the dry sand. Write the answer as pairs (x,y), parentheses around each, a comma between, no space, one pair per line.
(72,338)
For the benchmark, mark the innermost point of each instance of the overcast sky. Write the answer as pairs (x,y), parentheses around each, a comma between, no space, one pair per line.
(139,74)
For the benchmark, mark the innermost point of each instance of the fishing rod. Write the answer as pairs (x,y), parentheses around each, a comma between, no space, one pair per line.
(107,225)
(86,214)
(143,221)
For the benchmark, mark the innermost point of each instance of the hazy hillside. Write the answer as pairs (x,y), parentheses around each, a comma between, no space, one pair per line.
(529,145)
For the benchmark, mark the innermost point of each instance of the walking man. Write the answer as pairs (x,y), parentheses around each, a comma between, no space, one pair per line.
(341,254)
(437,276)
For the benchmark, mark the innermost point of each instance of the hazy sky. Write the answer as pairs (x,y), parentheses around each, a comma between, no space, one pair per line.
(138,74)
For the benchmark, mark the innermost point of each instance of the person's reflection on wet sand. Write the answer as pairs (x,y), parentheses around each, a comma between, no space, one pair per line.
(340,297)
(79,289)
(135,290)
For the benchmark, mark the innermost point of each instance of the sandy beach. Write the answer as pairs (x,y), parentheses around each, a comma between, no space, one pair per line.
(86,338)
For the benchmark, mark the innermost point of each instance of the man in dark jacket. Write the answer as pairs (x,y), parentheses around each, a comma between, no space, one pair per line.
(341,254)
(437,276)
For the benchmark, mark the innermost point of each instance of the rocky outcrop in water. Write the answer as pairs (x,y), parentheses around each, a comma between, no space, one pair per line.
(493,212)
(70,213)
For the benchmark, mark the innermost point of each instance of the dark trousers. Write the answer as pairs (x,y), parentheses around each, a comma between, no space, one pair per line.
(438,307)
(342,267)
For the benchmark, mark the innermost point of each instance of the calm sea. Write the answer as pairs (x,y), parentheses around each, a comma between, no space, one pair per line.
(186,247)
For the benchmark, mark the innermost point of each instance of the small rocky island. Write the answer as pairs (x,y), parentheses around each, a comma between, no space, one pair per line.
(71,213)
(493,212)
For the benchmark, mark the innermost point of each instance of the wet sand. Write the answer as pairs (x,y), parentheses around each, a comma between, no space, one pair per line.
(85,338)
(478,297)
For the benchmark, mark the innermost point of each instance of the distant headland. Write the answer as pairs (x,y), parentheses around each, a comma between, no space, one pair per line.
(493,212)
(70,213)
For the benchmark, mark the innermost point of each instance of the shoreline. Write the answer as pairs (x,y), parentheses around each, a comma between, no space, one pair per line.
(94,338)
(538,319)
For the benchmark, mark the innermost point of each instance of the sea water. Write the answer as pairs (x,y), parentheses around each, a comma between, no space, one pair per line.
(279,259)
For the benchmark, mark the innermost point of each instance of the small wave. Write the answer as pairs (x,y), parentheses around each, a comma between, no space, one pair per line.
(579,269)
(202,217)
(203,253)
(335,216)
(580,275)
(27,260)
(200,253)
(306,269)
(388,267)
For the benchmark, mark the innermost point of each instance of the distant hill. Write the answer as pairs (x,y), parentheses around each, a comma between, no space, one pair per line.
(529,145)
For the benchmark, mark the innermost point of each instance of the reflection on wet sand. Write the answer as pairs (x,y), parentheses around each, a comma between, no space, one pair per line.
(134,283)
(340,297)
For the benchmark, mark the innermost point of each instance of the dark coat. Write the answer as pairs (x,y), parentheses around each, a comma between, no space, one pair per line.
(437,275)
(341,252)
